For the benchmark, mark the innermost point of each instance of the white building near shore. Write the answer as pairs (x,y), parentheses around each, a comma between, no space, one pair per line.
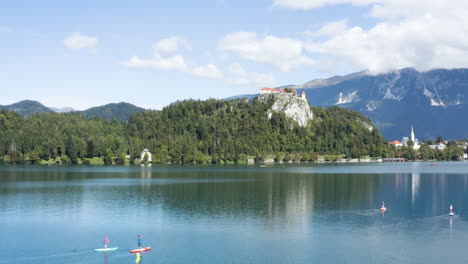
(145,152)
(440,146)
(413,138)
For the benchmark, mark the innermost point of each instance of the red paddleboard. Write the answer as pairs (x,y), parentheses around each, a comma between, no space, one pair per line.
(138,250)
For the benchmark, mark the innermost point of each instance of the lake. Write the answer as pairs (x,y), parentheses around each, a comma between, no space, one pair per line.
(301,213)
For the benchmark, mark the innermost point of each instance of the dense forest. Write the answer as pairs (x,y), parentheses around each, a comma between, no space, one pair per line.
(212,131)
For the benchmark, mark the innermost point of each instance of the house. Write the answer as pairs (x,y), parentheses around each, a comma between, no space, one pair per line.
(396,143)
(146,152)
(266,90)
(440,146)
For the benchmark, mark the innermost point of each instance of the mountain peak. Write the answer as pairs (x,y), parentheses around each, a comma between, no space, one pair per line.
(121,111)
(27,108)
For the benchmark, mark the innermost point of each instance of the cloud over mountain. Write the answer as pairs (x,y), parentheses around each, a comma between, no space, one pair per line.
(420,34)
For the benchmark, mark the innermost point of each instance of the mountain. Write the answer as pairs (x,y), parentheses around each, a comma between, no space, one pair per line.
(121,111)
(62,110)
(27,108)
(330,81)
(435,101)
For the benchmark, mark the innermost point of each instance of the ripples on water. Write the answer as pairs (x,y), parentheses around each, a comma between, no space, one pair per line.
(213,214)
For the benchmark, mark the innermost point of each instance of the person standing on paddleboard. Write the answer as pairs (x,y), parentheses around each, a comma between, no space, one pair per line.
(106,241)
(140,240)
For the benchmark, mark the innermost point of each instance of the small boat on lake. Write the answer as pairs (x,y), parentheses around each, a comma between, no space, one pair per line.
(451,213)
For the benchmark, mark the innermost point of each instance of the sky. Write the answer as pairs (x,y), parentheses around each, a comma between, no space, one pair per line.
(154,52)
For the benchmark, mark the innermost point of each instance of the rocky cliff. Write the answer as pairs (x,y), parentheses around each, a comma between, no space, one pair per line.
(294,107)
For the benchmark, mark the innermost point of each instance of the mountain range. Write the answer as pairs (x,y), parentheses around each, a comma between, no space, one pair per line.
(435,102)
(121,111)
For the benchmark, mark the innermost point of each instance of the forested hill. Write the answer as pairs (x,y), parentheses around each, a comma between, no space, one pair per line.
(121,111)
(213,131)
(27,108)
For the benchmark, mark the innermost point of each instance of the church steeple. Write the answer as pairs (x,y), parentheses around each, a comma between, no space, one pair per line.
(412,133)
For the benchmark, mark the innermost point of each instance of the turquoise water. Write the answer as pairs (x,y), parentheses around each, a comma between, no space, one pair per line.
(234,214)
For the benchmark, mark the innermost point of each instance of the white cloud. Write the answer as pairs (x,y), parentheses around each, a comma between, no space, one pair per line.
(385,8)
(329,29)
(174,62)
(237,69)
(417,33)
(165,56)
(169,46)
(239,76)
(207,71)
(264,79)
(423,42)
(310,4)
(284,53)
(76,41)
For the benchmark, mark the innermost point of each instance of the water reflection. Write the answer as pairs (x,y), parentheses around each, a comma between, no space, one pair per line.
(415,181)
(138,258)
(273,197)
(240,212)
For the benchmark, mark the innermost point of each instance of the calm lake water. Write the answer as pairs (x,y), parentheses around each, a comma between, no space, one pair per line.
(274,214)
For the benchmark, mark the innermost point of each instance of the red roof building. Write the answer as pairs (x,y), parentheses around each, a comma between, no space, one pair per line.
(396,143)
(267,90)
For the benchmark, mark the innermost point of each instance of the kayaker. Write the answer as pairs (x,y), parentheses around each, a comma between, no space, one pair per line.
(140,240)
(106,241)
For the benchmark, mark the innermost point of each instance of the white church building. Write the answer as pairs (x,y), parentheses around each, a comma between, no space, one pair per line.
(413,138)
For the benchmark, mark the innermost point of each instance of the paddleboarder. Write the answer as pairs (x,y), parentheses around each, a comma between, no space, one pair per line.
(106,241)
(382,207)
(140,241)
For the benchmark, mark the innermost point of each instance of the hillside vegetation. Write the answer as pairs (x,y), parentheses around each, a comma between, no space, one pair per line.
(121,111)
(212,131)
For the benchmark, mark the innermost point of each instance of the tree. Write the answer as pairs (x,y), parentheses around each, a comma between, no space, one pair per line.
(278,157)
(121,158)
(72,152)
(13,153)
(107,157)
(34,158)
(426,152)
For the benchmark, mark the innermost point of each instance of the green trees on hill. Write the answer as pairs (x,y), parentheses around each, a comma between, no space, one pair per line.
(212,131)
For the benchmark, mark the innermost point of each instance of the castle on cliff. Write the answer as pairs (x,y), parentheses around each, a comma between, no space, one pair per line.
(289,91)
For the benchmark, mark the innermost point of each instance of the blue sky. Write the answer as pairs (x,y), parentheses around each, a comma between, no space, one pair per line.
(151,53)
